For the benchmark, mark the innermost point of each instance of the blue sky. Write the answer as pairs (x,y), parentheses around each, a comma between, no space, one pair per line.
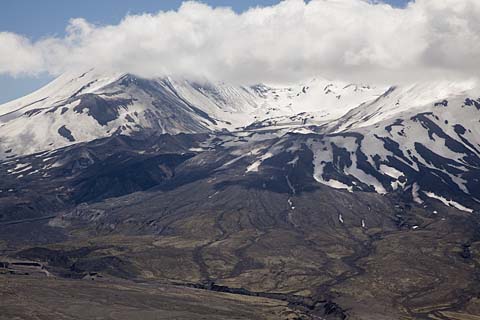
(37,19)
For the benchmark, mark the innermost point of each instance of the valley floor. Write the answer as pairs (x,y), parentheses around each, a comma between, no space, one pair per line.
(32,297)
(150,257)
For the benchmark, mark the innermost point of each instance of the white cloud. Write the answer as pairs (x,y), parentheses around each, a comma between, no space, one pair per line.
(18,55)
(291,41)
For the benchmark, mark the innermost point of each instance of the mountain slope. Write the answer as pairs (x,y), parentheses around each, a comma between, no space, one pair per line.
(421,139)
(360,207)
(83,107)
(216,222)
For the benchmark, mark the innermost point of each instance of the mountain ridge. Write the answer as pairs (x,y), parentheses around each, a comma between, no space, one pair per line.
(419,138)
(126,103)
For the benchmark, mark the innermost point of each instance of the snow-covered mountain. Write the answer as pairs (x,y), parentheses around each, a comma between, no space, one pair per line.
(83,107)
(420,139)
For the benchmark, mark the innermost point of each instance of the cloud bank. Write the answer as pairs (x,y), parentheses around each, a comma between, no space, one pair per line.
(291,41)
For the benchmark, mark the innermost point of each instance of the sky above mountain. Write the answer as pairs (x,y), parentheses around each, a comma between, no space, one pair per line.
(36,19)
(241,41)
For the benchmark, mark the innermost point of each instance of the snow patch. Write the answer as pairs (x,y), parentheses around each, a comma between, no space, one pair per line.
(449,203)
(415,194)
(389,171)
(293,163)
(337,185)
(254,166)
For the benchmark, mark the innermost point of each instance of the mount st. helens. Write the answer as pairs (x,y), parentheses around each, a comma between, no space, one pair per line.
(324,200)
(84,107)
(422,139)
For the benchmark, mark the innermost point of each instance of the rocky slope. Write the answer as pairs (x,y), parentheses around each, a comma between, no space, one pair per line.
(333,200)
